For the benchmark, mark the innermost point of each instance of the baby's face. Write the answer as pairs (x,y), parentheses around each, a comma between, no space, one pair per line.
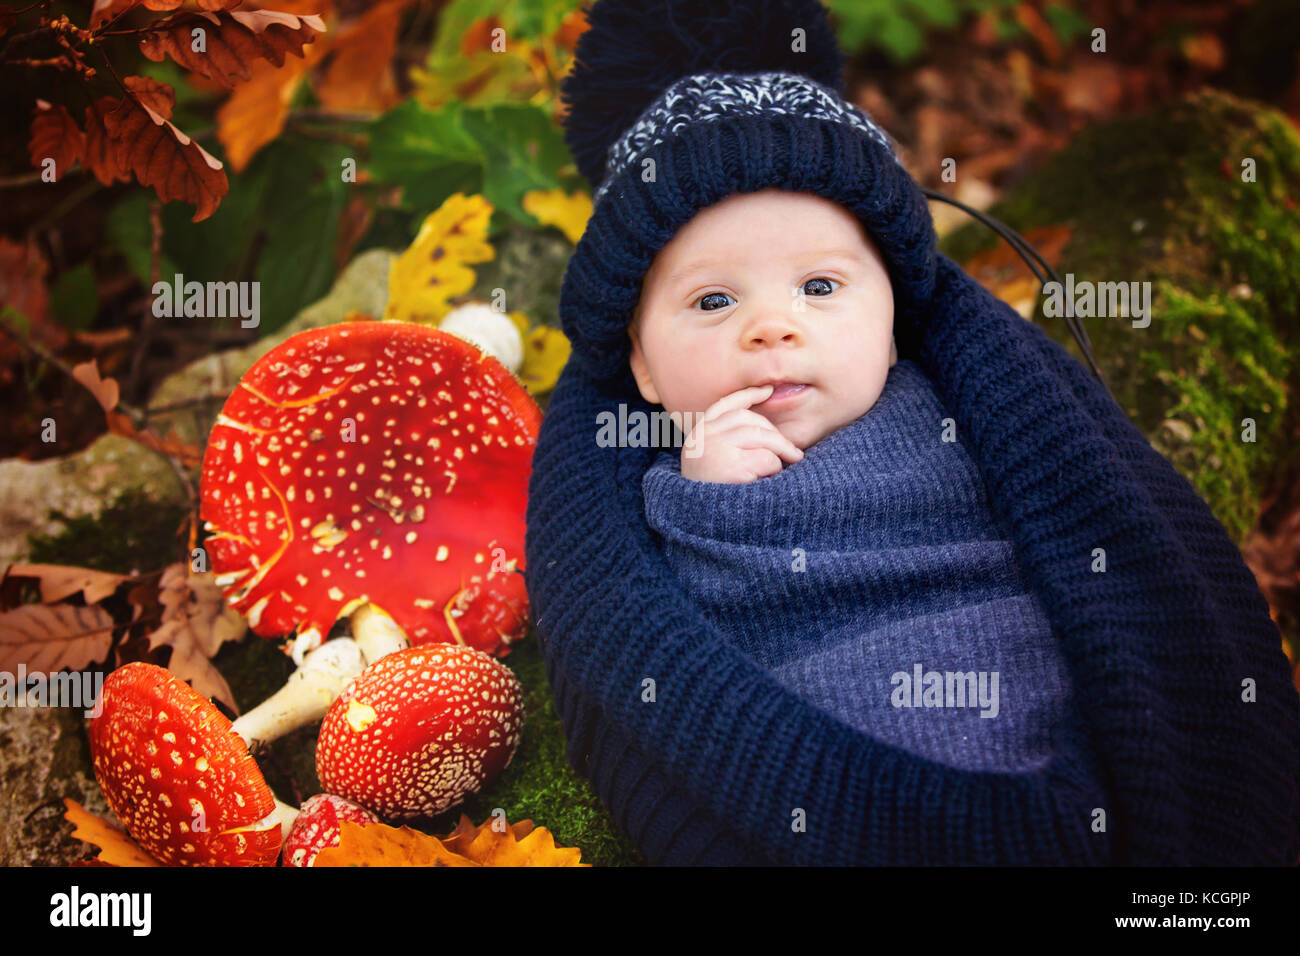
(721,310)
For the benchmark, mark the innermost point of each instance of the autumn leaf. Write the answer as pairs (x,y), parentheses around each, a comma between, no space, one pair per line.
(233,41)
(1005,274)
(359,76)
(555,207)
(196,622)
(158,154)
(546,350)
(377,844)
(101,155)
(105,390)
(521,844)
(23,268)
(58,581)
(55,135)
(436,266)
(255,112)
(116,848)
(47,638)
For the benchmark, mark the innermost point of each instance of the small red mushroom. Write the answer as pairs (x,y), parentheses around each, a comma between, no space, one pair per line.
(179,777)
(317,827)
(371,464)
(420,730)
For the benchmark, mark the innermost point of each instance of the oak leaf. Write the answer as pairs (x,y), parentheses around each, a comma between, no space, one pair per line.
(59,581)
(196,621)
(158,154)
(555,207)
(255,112)
(377,844)
(359,75)
(101,155)
(520,844)
(55,135)
(435,267)
(233,42)
(47,638)
(116,848)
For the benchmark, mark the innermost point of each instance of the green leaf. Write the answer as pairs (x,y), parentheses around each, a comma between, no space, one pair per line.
(74,299)
(524,150)
(1066,22)
(128,232)
(429,154)
(299,219)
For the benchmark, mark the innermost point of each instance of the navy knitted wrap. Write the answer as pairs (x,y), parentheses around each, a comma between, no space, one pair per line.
(1184,747)
(872,557)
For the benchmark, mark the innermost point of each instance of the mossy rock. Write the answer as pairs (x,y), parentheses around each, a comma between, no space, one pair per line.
(1160,197)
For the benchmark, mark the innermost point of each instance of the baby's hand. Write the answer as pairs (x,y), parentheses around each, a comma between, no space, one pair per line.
(734,445)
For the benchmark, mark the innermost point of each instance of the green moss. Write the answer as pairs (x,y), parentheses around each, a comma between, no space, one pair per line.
(540,785)
(1159,197)
(133,532)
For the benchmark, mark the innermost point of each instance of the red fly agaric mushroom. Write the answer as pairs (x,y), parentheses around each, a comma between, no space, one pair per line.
(317,827)
(178,777)
(370,464)
(420,730)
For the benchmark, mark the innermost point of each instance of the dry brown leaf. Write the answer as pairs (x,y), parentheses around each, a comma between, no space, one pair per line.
(233,42)
(255,112)
(55,135)
(1005,274)
(519,845)
(23,268)
(196,621)
(47,638)
(116,848)
(105,390)
(377,844)
(359,76)
(101,156)
(59,581)
(162,157)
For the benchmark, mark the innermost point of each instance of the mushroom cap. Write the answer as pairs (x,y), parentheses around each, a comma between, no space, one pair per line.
(367,462)
(176,774)
(420,730)
(317,827)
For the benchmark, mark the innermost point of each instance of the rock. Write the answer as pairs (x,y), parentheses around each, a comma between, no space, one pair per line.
(44,757)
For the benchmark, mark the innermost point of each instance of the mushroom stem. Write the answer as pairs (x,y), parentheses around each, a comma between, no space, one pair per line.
(286,815)
(306,696)
(376,633)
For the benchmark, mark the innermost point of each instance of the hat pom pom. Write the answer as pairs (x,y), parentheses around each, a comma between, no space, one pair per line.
(635,49)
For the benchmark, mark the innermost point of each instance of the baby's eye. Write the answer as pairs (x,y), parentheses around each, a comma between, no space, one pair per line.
(820,282)
(714,295)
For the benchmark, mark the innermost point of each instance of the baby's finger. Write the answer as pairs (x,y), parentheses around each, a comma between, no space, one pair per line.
(742,398)
(752,437)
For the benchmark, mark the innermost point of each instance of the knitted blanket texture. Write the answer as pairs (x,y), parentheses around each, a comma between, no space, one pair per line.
(871,561)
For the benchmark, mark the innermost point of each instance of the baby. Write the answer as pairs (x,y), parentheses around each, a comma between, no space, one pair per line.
(824,514)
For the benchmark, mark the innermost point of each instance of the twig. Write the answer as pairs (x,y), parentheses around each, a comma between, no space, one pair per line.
(36,348)
(186,403)
(146,326)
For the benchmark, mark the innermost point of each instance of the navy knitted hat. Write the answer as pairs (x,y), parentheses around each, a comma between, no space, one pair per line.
(673,105)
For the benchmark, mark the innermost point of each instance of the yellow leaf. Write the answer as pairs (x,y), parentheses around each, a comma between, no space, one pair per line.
(555,207)
(519,844)
(115,847)
(435,268)
(546,349)
(377,844)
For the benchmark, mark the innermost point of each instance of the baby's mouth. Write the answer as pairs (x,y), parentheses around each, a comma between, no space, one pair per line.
(784,393)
